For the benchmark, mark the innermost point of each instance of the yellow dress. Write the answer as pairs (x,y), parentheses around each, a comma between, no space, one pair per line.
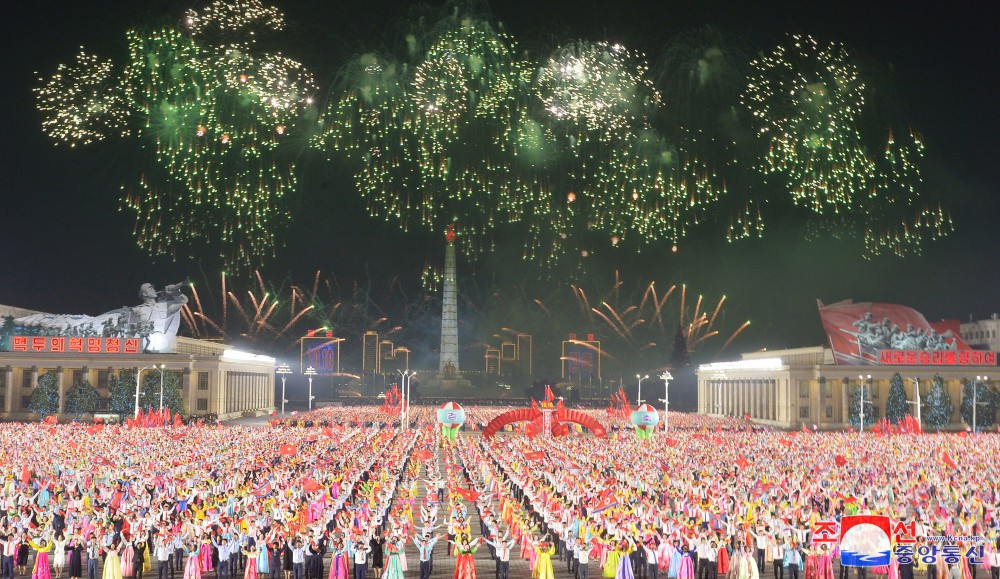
(611,563)
(112,566)
(543,564)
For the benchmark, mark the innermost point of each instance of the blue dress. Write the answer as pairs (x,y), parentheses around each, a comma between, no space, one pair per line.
(624,567)
(674,569)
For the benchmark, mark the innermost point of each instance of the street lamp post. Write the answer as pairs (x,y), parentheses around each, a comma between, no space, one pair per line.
(666,377)
(409,390)
(283,371)
(404,397)
(975,398)
(719,378)
(138,374)
(162,367)
(310,372)
(638,395)
(916,401)
(863,392)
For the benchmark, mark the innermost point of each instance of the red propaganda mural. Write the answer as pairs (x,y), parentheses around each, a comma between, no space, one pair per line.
(875,333)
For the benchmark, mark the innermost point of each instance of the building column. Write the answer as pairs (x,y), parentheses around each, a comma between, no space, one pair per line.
(8,380)
(34,378)
(845,408)
(186,387)
(781,409)
(774,399)
(765,387)
(755,396)
(61,384)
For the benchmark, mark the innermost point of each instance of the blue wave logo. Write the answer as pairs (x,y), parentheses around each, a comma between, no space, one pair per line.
(852,559)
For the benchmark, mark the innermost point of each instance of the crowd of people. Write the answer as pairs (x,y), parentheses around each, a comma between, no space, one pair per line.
(352,493)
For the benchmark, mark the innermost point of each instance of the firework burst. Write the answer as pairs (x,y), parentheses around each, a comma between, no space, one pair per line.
(810,101)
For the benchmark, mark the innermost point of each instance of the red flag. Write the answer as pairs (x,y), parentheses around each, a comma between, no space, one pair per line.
(947,460)
(604,501)
(537,455)
(51,419)
(177,436)
(327,431)
(116,499)
(423,454)
(287,449)
(468,494)
(95,428)
(840,460)
(263,490)
(73,444)
(25,474)
(177,420)
(311,486)
(275,413)
(671,442)
(743,462)
(805,429)
(785,442)
(717,440)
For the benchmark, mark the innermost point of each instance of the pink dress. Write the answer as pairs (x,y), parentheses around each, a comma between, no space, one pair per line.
(251,569)
(128,562)
(687,567)
(338,566)
(192,569)
(41,570)
(206,557)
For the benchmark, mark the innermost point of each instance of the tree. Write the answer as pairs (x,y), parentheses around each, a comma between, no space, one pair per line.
(684,385)
(862,396)
(680,357)
(896,405)
(937,406)
(45,398)
(985,399)
(149,396)
(121,387)
(82,398)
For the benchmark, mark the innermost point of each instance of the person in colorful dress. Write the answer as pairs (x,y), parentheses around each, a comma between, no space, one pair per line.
(465,564)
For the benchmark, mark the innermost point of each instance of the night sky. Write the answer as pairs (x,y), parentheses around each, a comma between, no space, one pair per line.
(67,248)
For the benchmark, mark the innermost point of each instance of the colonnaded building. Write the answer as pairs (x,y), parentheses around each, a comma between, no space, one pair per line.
(214,378)
(868,344)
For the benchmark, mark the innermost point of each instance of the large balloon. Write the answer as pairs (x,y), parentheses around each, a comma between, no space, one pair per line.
(645,418)
(451,417)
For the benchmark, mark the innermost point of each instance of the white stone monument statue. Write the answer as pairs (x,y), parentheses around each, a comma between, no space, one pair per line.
(156,320)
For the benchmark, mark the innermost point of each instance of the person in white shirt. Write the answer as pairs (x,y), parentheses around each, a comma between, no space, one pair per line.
(777,557)
(161,552)
(651,560)
(583,549)
(502,549)
(359,552)
(9,544)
